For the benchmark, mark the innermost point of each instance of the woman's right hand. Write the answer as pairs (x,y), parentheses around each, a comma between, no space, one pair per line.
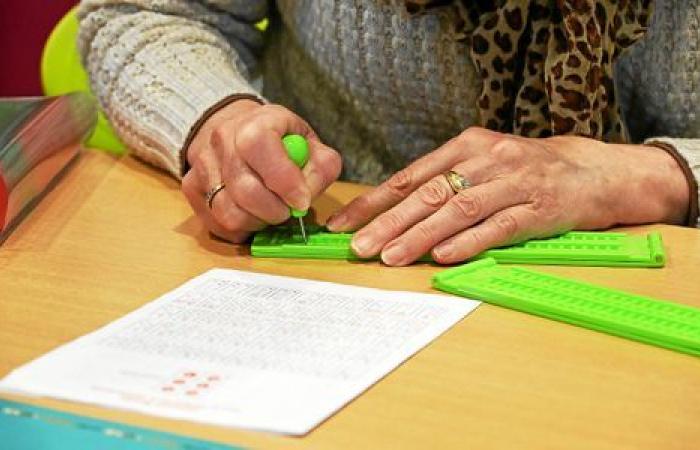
(241,145)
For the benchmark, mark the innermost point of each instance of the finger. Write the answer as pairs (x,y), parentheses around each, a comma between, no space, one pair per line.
(323,167)
(423,202)
(231,217)
(266,156)
(468,207)
(205,172)
(509,226)
(191,189)
(249,193)
(367,206)
(259,144)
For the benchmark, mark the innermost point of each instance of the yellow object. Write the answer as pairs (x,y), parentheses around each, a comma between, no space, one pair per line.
(262,25)
(62,72)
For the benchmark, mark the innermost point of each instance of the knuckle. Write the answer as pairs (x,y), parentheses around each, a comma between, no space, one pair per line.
(508,149)
(478,238)
(318,175)
(546,204)
(391,222)
(279,178)
(425,233)
(229,218)
(467,206)
(544,199)
(246,189)
(219,137)
(248,136)
(507,225)
(473,133)
(400,183)
(362,204)
(248,194)
(328,167)
(434,193)
(470,133)
(526,184)
(333,163)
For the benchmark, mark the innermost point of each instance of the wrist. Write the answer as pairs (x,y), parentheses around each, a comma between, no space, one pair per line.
(691,218)
(654,188)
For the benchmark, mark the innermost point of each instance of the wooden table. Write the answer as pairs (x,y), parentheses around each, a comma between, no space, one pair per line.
(115,235)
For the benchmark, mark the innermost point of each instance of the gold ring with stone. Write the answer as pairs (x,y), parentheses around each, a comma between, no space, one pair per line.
(456,181)
(209,196)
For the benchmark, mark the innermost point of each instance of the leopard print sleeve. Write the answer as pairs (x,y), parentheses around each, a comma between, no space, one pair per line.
(659,85)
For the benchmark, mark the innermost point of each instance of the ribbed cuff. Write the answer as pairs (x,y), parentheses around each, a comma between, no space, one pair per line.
(683,163)
(156,75)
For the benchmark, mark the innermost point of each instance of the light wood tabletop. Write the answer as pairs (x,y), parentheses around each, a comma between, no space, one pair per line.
(116,234)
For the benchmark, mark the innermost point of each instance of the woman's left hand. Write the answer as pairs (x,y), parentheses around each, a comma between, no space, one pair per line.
(521,188)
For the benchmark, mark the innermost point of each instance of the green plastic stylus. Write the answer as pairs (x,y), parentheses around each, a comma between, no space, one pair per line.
(298,151)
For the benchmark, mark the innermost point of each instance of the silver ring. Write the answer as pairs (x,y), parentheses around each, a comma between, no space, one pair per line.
(456,181)
(209,196)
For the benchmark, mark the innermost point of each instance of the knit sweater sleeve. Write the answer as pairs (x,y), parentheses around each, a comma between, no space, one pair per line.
(157,65)
(660,85)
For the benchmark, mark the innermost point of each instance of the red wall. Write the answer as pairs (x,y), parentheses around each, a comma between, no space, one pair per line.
(24,27)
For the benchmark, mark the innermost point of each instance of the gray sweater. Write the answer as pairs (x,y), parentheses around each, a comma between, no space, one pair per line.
(378,85)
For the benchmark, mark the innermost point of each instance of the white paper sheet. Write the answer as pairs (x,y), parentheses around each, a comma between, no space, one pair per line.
(244,350)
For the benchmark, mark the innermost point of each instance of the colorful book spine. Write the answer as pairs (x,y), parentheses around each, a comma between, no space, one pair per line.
(39,138)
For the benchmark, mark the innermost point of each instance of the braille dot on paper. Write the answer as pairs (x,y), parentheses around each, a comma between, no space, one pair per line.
(168,388)
(203,385)
(190,374)
(213,378)
(192,392)
(179,381)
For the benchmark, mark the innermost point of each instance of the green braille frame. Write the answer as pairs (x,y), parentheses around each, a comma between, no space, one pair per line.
(644,319)
(579,248)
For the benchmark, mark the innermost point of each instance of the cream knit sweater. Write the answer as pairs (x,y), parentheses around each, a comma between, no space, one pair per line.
(381,87)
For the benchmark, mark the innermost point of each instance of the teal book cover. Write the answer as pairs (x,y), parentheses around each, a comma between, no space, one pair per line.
(26,427)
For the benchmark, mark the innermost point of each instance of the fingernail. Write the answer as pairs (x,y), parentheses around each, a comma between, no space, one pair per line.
(393,255)
(362,245)
(443,251)
(336,221)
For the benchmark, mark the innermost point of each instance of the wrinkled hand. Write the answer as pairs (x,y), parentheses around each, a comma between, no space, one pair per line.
(241,145)
(522,188)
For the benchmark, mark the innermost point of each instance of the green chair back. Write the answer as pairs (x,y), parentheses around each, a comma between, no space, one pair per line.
(62,72)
